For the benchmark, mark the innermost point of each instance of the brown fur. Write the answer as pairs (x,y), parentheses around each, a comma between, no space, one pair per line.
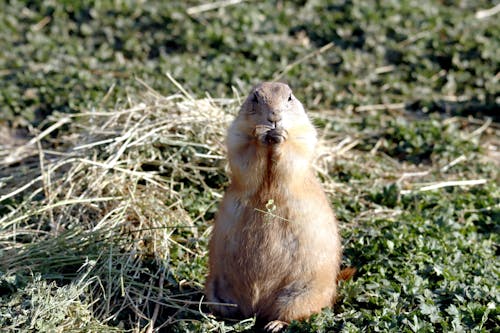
(281,264)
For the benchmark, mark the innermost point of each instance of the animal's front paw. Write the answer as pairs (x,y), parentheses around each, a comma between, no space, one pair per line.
(275,326)
(268,135)
(275,136)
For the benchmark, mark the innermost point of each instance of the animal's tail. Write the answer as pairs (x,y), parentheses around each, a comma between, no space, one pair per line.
(346,274)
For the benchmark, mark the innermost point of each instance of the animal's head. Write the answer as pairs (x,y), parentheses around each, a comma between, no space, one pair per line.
(272,104)
(270,112)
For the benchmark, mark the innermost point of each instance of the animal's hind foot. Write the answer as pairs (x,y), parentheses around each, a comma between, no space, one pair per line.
(275,326)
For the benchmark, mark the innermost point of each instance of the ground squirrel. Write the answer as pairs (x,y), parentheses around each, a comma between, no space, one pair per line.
(275,250)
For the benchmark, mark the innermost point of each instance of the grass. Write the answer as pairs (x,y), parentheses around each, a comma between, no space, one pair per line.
(424,55)
(111,170)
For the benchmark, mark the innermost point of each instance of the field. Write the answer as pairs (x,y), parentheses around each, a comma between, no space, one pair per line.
(112,158)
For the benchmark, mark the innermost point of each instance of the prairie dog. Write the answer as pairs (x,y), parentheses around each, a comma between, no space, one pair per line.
(275,250)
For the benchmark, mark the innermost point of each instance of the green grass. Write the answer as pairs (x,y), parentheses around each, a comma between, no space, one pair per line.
(105,219)
(63,55)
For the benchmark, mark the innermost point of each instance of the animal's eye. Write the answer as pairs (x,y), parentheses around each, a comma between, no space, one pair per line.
(290,98)
(255,99)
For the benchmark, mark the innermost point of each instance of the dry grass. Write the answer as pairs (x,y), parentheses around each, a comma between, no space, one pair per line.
(111,202)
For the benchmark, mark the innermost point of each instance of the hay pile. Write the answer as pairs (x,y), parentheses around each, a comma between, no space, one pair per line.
(110,204)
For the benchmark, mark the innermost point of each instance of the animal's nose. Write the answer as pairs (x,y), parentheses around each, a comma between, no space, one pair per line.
(274,117)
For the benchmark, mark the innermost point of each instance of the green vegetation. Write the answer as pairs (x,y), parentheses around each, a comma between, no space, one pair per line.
(112,159)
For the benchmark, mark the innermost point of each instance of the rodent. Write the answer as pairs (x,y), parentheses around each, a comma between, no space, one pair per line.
(275,250)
